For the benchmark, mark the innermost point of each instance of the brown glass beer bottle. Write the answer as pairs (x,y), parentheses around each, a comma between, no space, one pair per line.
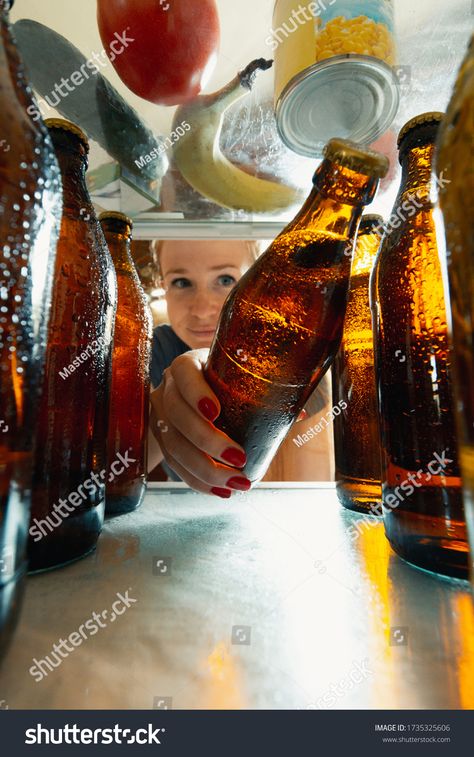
(30,213)
(455,170)
(129,399)
(70,468)
(281,326)
(421,484)
(356,429)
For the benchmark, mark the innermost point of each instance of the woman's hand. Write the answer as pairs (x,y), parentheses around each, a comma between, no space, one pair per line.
(182,410)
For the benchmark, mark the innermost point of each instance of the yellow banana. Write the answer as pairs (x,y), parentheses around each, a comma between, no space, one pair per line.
(199,158)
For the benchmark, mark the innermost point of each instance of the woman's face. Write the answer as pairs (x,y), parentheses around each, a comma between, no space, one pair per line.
(198,275)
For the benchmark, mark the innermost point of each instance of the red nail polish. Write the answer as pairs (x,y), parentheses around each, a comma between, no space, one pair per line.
(224,493)
(234,456)
(239,482)
(208,408)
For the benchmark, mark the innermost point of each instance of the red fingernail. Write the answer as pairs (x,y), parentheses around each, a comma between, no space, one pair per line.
(208,408)
(238,482)
(224,493)
(235,457)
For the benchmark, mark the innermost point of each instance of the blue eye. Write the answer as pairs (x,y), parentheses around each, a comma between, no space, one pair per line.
(226,280)
(180,283)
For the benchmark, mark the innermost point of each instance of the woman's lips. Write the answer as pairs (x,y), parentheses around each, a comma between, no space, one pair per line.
(202,332)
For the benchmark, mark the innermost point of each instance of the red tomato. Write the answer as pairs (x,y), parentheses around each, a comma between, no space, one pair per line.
(163,50)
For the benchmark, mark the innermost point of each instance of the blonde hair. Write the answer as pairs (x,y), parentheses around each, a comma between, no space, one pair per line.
(254,247)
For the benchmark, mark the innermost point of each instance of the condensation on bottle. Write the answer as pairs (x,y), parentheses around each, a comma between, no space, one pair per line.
(455,182)
(71,459)
(30,213)
(281,326)
(129,399)
(356,429)
(421,484)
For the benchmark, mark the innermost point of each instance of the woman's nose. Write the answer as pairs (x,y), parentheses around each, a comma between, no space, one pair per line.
(204,304)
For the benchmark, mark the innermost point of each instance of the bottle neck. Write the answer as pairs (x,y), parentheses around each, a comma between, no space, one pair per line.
(417,166)
(11,72)
(368,243)
(4,12)
(119,244)
(336,201)
(72,160)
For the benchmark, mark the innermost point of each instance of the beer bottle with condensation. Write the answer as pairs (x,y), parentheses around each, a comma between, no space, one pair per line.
(30,213)
(129,399)
(455,169)
(421,484)
(70,469)
(356,429)
(281,326)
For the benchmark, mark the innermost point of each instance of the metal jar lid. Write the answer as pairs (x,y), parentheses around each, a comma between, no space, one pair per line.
(357,158)
(61,123)
(349,96)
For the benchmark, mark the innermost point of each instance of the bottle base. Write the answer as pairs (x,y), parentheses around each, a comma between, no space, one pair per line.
(11,595)
(442,557)
(75,538)
(120,504)
(420,532)
(361,496)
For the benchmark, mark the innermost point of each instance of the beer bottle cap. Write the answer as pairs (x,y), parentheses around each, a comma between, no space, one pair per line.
(61,123)
(424,119)
(114,214)
(357,158)
(369,222)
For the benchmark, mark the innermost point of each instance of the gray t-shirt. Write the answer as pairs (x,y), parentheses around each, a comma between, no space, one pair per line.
(166,346)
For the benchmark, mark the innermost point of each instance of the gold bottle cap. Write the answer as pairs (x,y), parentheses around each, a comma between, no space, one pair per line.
(357,158)
(432,117)
(114,214)
(370,220)
(61,123)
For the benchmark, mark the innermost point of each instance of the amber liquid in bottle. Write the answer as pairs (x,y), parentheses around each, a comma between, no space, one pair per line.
(422,496)
(30,212)
(70,469)
(281,326)
(129,400)
(455,170)
(356,429)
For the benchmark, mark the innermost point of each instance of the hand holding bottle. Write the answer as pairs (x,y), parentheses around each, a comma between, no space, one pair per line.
(182,410)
